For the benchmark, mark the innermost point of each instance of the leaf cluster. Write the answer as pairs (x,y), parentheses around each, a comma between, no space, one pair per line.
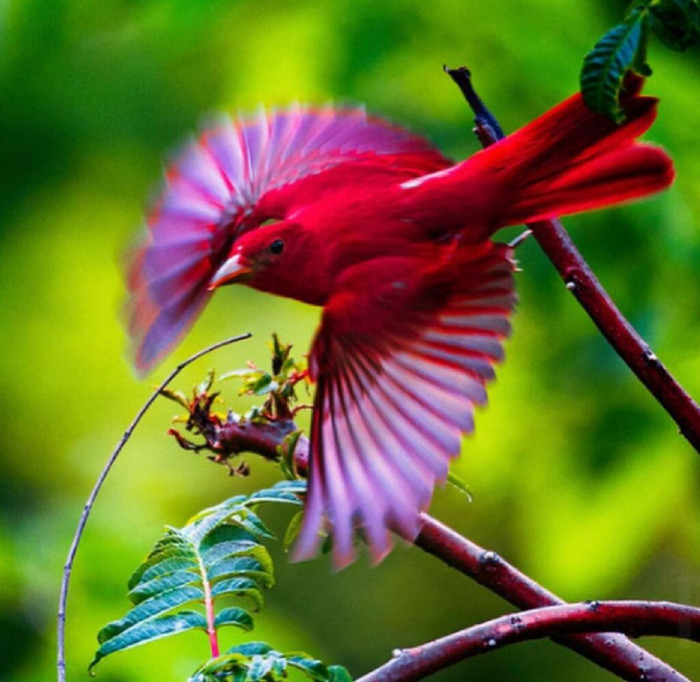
(187,580)
(624,48)
(257,661)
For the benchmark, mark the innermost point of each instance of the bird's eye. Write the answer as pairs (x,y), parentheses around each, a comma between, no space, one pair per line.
(277,247)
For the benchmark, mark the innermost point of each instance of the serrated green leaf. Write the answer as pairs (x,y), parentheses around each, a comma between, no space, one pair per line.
(249,649)
(289,495)
(227,550)
(163,567)
(675,22)
(150,609)
(311,666)
(605,65)
(150,631)
(246,567)
(172,552)
(234,616)
(226,532)
(251,522)
(240,587)
(144,590)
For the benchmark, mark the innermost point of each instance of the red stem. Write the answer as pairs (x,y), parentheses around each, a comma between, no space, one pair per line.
(580,280)
(209,608)
(634,617)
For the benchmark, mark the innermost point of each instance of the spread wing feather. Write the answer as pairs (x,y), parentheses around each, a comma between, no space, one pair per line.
(393,401)
(210,194)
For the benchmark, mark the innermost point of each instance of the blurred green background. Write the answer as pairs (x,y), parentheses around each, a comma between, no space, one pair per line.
(579,477)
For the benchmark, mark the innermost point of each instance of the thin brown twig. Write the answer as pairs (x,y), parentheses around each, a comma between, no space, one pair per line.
(87,508)
(580,280)
(633,617)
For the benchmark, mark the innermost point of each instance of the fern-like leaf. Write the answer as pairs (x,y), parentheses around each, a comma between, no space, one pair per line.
(216,554)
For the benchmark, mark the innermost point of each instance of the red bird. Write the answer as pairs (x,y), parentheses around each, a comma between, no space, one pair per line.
(339,210)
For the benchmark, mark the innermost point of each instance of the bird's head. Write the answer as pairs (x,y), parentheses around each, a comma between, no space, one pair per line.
(271,258)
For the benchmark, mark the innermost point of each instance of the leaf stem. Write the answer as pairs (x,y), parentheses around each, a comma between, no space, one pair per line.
(209,608)
(87,507)
(580,280)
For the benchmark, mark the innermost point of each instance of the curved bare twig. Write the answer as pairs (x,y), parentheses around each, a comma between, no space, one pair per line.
(87,508)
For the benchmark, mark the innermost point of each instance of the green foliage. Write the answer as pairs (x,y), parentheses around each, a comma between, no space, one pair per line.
(278,385)
(621,48)
(258,662)
(180,584)
(624,48)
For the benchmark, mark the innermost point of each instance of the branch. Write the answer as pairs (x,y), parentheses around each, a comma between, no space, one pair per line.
(611,651)
(87,508)
(634,617)
(580,280)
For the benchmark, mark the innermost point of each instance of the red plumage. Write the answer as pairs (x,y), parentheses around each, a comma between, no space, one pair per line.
(336,209)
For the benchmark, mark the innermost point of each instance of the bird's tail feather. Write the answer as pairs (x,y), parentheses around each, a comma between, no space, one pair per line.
(572,159)
(568,160)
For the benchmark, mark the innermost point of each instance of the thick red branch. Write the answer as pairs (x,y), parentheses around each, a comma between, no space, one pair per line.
(635,618)
(611,651)
(580,280)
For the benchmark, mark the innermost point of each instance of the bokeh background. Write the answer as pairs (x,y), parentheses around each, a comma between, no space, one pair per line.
(579,477)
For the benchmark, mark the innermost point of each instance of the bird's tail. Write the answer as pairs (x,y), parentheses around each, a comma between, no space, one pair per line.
(568,160)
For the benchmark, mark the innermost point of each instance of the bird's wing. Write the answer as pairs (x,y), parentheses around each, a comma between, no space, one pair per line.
(211,192)
(400,368)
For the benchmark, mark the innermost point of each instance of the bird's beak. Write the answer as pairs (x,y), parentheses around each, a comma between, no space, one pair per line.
(235,269)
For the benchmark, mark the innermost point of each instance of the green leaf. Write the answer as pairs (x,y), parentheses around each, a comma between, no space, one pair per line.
(675,22)
(150,631)
(620,49)
(218,549)
(234,616)
(293,529)
(150,609)
(256,661)
(458,483)
(239,587)
(337,673)
(249,649)
(149,588)
(245,566)
(311,666)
